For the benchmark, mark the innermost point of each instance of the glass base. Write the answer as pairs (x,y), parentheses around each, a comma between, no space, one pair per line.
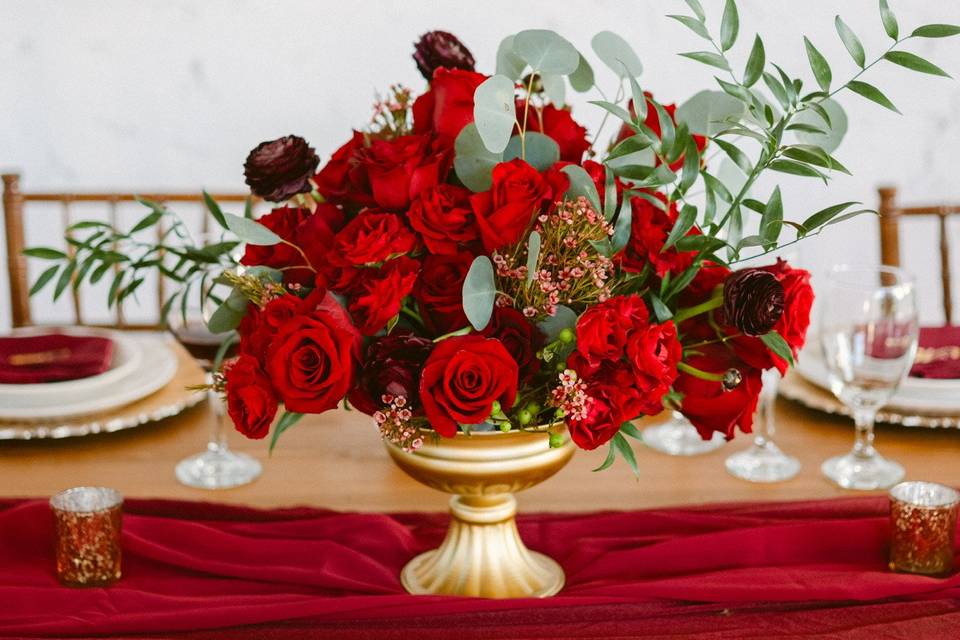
(218,469)
(854,472)
(680,438)
(763,463)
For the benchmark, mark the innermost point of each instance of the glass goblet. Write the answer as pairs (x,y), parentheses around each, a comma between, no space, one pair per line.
(677,437)
(868,333)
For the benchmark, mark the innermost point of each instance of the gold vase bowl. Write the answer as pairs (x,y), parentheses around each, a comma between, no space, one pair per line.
(482,554)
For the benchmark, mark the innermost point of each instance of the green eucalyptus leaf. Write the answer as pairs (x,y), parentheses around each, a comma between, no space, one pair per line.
(228,315)
(755,63)
(546,51)
(709,112)
(581,184)
(542,152)
(250,231)
(772,221)
(533,254)
(691,165)
(479,292)
(582,78)
(729,25)
(555,89)
(776,88)
(889,20)
(494,112)
(708,58)
(836,125)
(851,42)
(473,162)
(936,31)
(914,62)
(616,53)
(630,145)
(563,318)
(819,65)
(668,131)
(509,64)
(870,92)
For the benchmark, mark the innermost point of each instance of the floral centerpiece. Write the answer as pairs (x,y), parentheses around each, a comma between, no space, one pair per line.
(476,262)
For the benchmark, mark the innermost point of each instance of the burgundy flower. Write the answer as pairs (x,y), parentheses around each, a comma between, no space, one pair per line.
(392,366)
(279,169)
(521,338)
(441,49)
(753,301)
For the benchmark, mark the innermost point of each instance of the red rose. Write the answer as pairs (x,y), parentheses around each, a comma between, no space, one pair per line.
(443,217)
(250,400)
(391,366)
(313,357)
(559,125)
(439,291)
(462,378)
(315,234)
(372,237)
(653,122)
(283,221)
(707,405)
(400,168)
(653,353)
(260,325)
(380,293)
(343,179)
(603,329)
(649,229)
(448,106)
(518,192)
(521,338)
(605,415)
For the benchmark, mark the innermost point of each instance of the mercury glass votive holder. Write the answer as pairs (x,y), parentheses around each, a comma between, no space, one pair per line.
(923,522)
(87,545)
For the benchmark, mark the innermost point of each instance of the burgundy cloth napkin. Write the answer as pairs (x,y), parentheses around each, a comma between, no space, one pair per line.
(52,357)
(939,353)
(207,571)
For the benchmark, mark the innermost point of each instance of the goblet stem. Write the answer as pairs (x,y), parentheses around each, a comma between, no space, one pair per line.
(218,434)
(863,445)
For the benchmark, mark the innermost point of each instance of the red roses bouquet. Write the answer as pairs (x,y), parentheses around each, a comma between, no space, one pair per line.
(476,260)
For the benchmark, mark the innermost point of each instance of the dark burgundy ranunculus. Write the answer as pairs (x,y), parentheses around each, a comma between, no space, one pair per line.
(279,169)
(391,366)
(752,301)
(521,338)
(437,49)
(250,400)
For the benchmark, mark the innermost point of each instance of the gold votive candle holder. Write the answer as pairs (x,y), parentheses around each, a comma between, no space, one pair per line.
(87,546)
(923,522)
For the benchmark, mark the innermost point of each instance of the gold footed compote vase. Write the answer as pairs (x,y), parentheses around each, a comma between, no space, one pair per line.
(482,554)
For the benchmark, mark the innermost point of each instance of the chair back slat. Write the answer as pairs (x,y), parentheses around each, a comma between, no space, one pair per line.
(74,290)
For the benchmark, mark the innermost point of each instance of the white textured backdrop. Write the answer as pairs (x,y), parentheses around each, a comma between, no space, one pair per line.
(165,94)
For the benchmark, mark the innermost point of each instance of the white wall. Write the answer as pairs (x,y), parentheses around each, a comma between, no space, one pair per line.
(165,94)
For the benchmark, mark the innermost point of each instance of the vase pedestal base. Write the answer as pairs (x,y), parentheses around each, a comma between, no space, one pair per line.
(483,556)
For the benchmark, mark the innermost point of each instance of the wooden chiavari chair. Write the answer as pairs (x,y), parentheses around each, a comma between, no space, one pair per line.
(891,212)
(15,204)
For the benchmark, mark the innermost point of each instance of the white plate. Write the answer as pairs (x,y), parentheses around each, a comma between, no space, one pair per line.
(914,394)
(150,366)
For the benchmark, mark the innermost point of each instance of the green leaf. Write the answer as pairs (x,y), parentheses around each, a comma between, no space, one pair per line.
(691,165)
(915,62)
(821,70)
(563,318)
(708,58)
(581,184)
(147,221)
(775,342)
(851,42)
(250,231)
(616,53)
(99,272)
(796,168)
(772,221)
(614,109)
(45,253)
(473,162)
(479,292)
(625,147)
(542,151)
(214,210)
(870,92)
(611,456)
(494,112)
(546,51)
(533,255)
(693,24)
(709,112)
(44,278)
(555,88)
(667,130)
(739,157)
(755,63)
(582,79)
(824,216)
(228,315)
(828,112)
(609,195)
(812,154)
(622,227)
(660,310)
(696,7)
(729,25)
(287,420)
(685,221)
(232,339)
(776,88)
(64,279)
(889,20)
(509,64)
(639,101)
(628,429)
(935,31)
(624,448)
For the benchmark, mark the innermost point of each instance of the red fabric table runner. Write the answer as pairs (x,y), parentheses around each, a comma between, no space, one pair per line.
(199,570)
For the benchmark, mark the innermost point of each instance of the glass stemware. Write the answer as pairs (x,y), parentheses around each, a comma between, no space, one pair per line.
(868,333)
(677,437)
(764,461)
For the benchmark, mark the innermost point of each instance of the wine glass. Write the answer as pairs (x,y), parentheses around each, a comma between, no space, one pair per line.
(764,461)
(677,437)
(868,333)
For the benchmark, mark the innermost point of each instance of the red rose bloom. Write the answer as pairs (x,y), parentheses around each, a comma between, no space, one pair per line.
(559,125)
(649,229)
(603,329)
(653,122)
(443,217)
(260,325)
(343,179)
(462,378)
(315,235)
(313,357)
(521,338)
(448,106)
(707,405)
(283,221)
(400,168)
(250,400)
(372,237)
(392,366)
(517,193)
(439,291)
(380,293)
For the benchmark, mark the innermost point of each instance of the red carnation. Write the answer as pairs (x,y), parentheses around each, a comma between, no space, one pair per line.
(380,293)
(649,229)
(439,291)
(604,329)
(444,219)
(250,400)
(448,106)
(462,378)
(279,169)
(400,168)
(372,237)
(605,415)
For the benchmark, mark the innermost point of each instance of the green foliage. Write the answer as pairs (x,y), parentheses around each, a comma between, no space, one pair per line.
(479,292)
(494,112)
(473,162)
(851,42)
(546,52)
(541,150)
(287,420)
(617,54)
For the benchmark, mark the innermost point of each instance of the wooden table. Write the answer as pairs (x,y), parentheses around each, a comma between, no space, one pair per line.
(337,461)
